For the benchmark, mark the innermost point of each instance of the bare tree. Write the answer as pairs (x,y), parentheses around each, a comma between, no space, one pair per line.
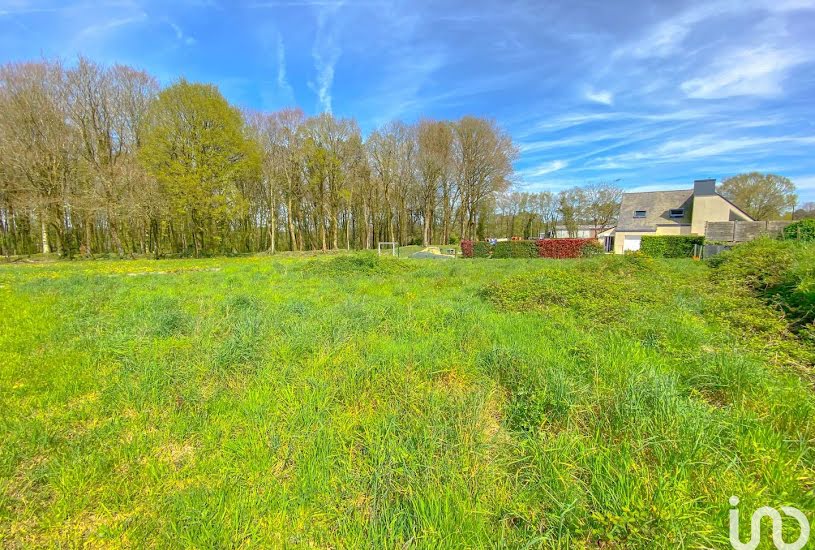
(99,159)
(601,205)
(38,146)
(483,157)
(435,163)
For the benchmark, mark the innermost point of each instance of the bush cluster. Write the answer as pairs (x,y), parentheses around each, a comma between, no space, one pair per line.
(467,249)
(565,248)
(482,249)
(515,249)
(803,230)
(780,272)
(363,262)
(670,246)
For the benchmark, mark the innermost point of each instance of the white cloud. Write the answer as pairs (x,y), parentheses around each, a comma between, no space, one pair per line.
(667,37)
(326,52)
(604,97)
(105,27)
(544,169)
(282,82)
(180,36)
(805,183)
(707,147)
(758,71)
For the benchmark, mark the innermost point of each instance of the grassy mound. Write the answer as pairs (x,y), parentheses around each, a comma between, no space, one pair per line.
(367,263)
(357,401)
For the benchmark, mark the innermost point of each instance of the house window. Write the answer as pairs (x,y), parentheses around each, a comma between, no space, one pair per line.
(677,212)
(639,213)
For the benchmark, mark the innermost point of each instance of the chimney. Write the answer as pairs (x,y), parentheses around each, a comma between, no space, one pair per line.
(704,187)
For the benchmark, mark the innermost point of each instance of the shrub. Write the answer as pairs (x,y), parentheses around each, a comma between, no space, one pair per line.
(515,249)
(803,230)
(593,248)
(467,249)
(780,272)
(670,246)
(757,265)
(482,249)
(562,248)
(360,262)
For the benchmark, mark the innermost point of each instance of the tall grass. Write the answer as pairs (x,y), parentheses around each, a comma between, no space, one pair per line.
(357,401)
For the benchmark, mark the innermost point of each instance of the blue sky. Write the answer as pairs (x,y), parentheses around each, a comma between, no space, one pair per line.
(653,94)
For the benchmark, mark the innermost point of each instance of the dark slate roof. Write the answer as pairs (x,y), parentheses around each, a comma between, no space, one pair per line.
(657,206)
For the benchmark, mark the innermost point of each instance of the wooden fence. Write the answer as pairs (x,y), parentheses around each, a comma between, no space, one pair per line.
(739,232)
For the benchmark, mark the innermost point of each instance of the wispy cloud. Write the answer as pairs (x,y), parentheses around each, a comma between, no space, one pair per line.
(542,170)
(180,35)
(325,52)
(604,97)
(283,85)
(752,71)
(107,26)
(805,183)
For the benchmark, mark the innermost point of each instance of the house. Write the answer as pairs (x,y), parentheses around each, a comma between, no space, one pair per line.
(683,212)
(577,232)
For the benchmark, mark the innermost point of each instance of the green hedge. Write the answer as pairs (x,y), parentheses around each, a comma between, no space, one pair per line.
(803,230)
(515,249)
(669,246)
(482,249)
(592,248)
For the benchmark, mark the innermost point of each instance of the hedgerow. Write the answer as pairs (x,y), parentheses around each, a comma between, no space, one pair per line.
(670,246)
(542,248)
(563,248)
(482,249)
(515,249)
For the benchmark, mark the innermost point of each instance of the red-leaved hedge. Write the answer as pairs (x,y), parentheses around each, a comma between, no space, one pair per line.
(547,248)
(562,248)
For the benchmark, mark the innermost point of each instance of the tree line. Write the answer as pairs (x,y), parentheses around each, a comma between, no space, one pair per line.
(97,159)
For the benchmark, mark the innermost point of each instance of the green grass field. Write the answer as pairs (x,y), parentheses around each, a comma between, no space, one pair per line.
(351,401)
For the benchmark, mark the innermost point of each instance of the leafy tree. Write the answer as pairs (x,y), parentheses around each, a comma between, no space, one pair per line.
(763,196)
(571,203)
(194,144)
(602,204)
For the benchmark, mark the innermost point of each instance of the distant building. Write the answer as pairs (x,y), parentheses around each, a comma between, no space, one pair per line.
(578,232)
(683,212)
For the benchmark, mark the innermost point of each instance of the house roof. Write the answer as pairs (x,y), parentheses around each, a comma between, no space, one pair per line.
(657,206)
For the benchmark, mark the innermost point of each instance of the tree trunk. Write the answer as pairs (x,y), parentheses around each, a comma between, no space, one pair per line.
(46,248)
(334,229)
(428,223)
(290,224)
